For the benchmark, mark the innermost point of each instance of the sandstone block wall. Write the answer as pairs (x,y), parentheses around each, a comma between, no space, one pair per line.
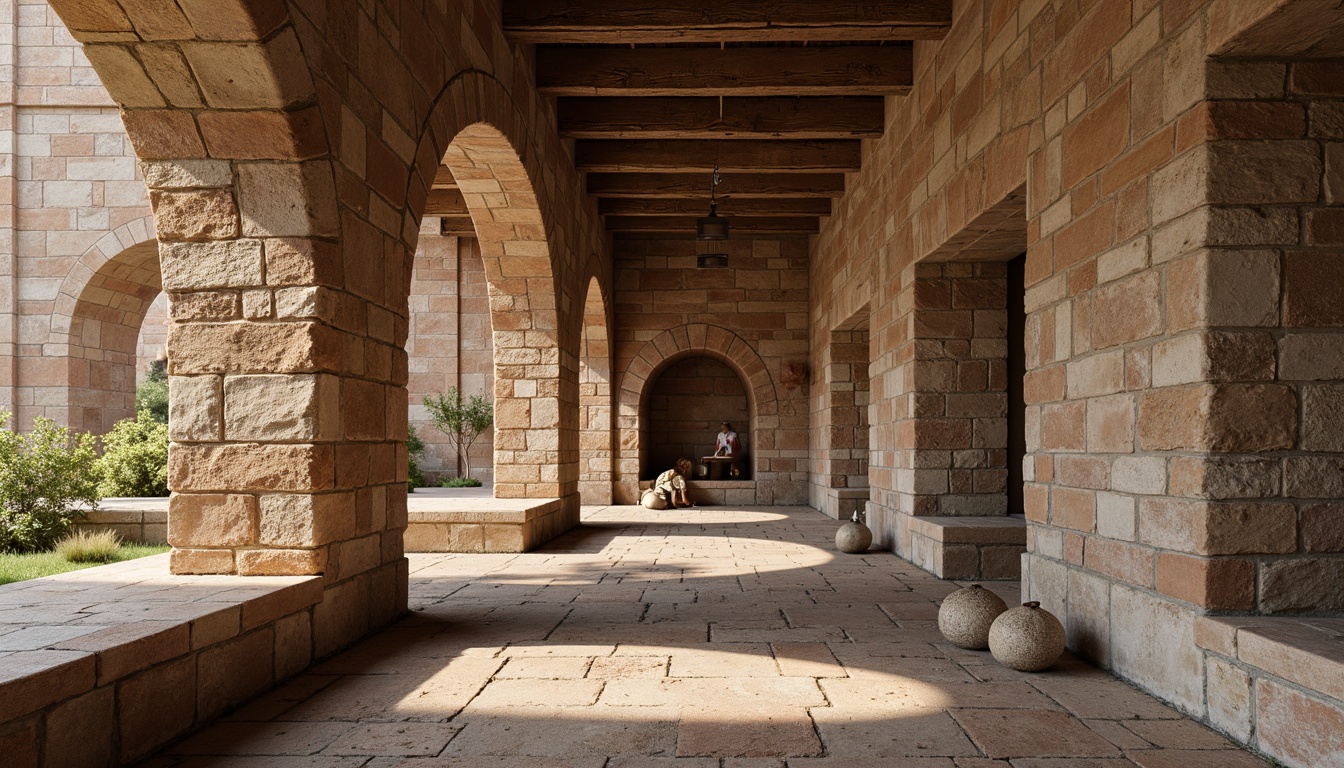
(1176,266)
(71,199)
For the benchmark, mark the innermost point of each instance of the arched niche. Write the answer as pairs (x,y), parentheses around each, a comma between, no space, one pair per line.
(643,369)
(683,407)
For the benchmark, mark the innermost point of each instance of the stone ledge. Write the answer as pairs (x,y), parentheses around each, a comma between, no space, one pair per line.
(1274,679)
(968,547)
(475,524)
(143,520)
(972,530)
(98,652)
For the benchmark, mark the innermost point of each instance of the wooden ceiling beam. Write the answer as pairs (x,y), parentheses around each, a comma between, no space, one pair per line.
(841,117)
(740,225)
(730,156)
(457,225)
(696,186)
(446,202)
(671,21)
(812,71)
(443,179)
(615,206)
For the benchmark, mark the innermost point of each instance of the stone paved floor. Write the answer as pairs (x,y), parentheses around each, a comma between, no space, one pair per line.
(698,638)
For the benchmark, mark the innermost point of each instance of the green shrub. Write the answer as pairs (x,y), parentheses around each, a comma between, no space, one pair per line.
(415,448)
(135,458)
(461,482)
(43,476)
(85,547)
(152,395)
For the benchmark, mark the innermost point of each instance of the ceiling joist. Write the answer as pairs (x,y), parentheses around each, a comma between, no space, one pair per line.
(736,185)
(828,71)
(819,206)
(856,117)
(703,156)
(744,225)
(671,21)
(445,202)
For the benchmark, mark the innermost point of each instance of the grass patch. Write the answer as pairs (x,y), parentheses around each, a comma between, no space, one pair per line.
(85,547)
(461,482)
(23,567)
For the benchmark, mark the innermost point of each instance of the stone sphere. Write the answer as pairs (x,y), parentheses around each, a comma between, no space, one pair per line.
(853,538)
(966,615)
(1028,639)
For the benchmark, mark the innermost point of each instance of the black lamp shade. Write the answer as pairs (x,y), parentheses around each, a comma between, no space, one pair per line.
(712,227)
(711,261)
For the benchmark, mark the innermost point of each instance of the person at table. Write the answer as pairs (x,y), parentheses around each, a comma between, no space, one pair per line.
(729,447)
(670,488)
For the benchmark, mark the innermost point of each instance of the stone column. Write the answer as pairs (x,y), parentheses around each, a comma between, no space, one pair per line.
(287,392)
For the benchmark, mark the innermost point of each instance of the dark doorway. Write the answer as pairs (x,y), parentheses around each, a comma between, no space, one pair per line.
(1017,369)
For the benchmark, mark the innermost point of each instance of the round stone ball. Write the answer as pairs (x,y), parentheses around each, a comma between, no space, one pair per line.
(966,615)
(1028,639)
(853,538)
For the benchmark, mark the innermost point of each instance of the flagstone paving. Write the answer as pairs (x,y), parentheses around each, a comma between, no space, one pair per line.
(705,638)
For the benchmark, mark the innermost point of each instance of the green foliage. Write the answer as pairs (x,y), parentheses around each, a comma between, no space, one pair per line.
(461,482)
(85,547)
(415,448)
(152,396)
(31,566)
(461,422)
(135,458)
(44,475)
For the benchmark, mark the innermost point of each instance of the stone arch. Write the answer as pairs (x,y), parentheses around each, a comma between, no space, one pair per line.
(480,135)
(667,348)
(96,321)
(595,398)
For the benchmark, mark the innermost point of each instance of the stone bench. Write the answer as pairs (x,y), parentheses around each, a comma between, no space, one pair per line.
(444,523)
(1276,682)
(106,664)
(968,547)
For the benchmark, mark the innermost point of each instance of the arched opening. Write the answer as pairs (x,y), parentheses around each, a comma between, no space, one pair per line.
(114,332)
(499,197)
(449,341)
(686,402)
(472,177)
(595,461)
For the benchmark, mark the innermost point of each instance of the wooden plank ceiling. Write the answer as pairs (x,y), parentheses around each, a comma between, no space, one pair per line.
(777,95)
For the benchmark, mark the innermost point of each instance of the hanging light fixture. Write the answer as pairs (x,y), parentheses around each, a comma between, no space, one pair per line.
(712,229)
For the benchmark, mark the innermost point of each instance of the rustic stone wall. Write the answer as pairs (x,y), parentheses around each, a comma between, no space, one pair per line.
(449,343)
(1176,211)
(685,407)
(751,316)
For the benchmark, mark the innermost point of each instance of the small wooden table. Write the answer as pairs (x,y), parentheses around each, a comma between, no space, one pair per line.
(718,465)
